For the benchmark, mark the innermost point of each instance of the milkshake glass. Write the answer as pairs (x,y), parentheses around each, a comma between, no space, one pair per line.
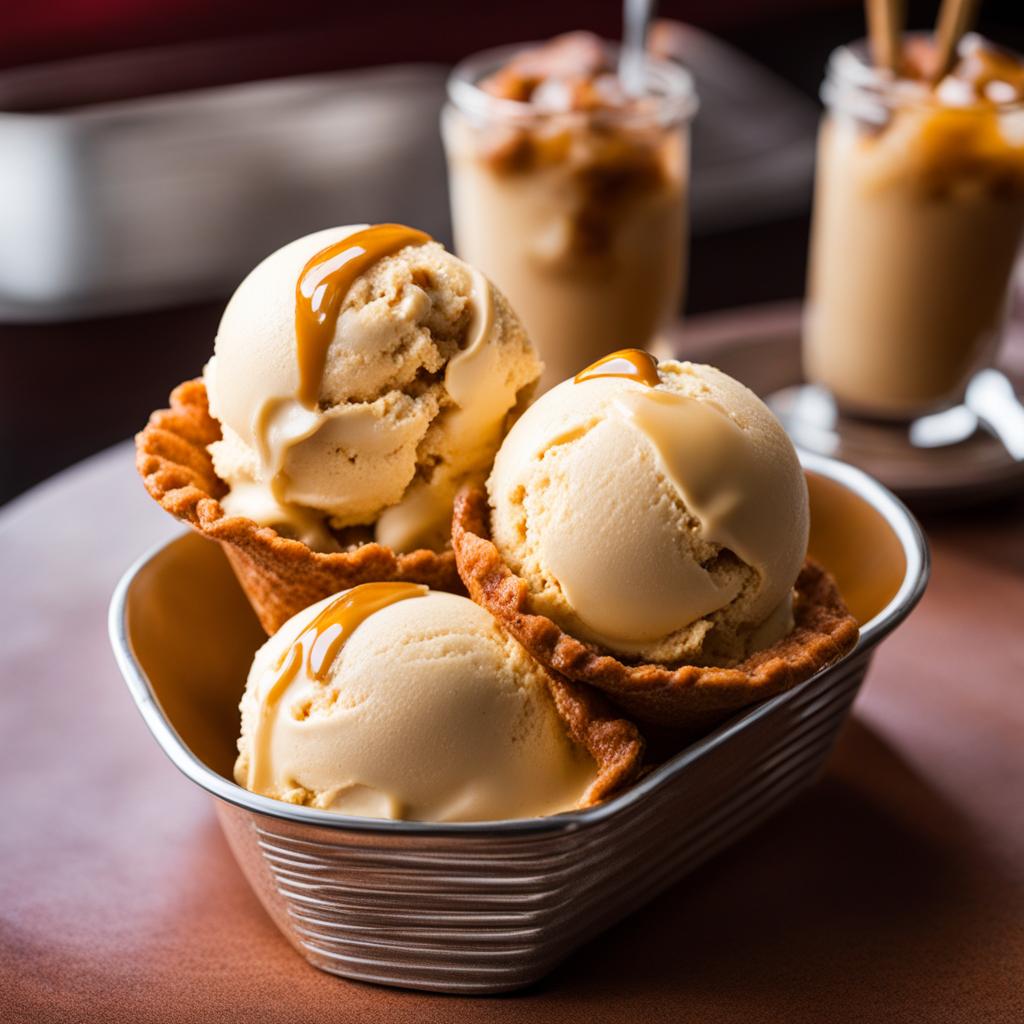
(574,203)
(918,218)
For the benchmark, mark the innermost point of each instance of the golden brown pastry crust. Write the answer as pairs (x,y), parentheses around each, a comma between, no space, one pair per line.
(612,741)
(280,576)
(688,697)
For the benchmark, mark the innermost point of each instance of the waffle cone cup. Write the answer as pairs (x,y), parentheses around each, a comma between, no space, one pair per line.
(596,725)
(280,576)
(686,698)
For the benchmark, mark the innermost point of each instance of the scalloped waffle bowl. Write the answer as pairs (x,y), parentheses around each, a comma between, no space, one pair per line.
(280,576)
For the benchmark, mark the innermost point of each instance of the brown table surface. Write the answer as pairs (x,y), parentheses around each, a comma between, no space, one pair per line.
(892,890)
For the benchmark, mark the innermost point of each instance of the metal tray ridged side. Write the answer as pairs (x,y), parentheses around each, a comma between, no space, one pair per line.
(487,913)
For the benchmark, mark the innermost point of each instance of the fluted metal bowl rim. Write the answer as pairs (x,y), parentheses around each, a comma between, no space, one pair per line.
(883,501)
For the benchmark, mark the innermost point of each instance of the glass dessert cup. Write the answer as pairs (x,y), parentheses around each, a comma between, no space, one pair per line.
(578,216)
(918,220)
(493,906)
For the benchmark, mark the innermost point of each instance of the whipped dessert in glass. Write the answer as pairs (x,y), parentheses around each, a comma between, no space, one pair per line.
(570,193)
(918,218)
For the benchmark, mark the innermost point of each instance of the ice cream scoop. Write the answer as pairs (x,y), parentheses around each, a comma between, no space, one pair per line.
(360,374)
(393,701)
(657,510)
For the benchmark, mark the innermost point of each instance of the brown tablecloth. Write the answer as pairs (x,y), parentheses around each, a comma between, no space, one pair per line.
(893,890)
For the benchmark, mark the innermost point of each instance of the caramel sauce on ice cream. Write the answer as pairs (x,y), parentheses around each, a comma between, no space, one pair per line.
(705,454)
(361,374)
(322,287)
(315,650)
(629,363)
(657,510)
(373,704)
(281,422)
(336,623)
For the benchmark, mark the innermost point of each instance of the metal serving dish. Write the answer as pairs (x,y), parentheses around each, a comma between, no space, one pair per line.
(491,906)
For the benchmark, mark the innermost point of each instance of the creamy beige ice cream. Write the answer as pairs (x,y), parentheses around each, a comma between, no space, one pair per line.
(393,701)
(919,214)
(658,510)
(571,194)
(360,375)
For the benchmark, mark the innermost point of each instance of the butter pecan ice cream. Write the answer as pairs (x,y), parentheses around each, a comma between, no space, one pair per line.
(656,510)
(421,361)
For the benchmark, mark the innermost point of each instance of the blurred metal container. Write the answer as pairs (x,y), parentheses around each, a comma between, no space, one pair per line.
(156,201)
(492,906)
(129,182)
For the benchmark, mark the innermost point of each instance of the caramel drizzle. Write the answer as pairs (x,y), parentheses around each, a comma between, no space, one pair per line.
(318,645)
(322,287)
(629,363)
(327,633)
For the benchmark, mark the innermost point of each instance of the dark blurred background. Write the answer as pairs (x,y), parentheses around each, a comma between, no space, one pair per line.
(94,332)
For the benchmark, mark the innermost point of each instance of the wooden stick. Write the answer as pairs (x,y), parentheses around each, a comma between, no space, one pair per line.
(955,18)
(885,30)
